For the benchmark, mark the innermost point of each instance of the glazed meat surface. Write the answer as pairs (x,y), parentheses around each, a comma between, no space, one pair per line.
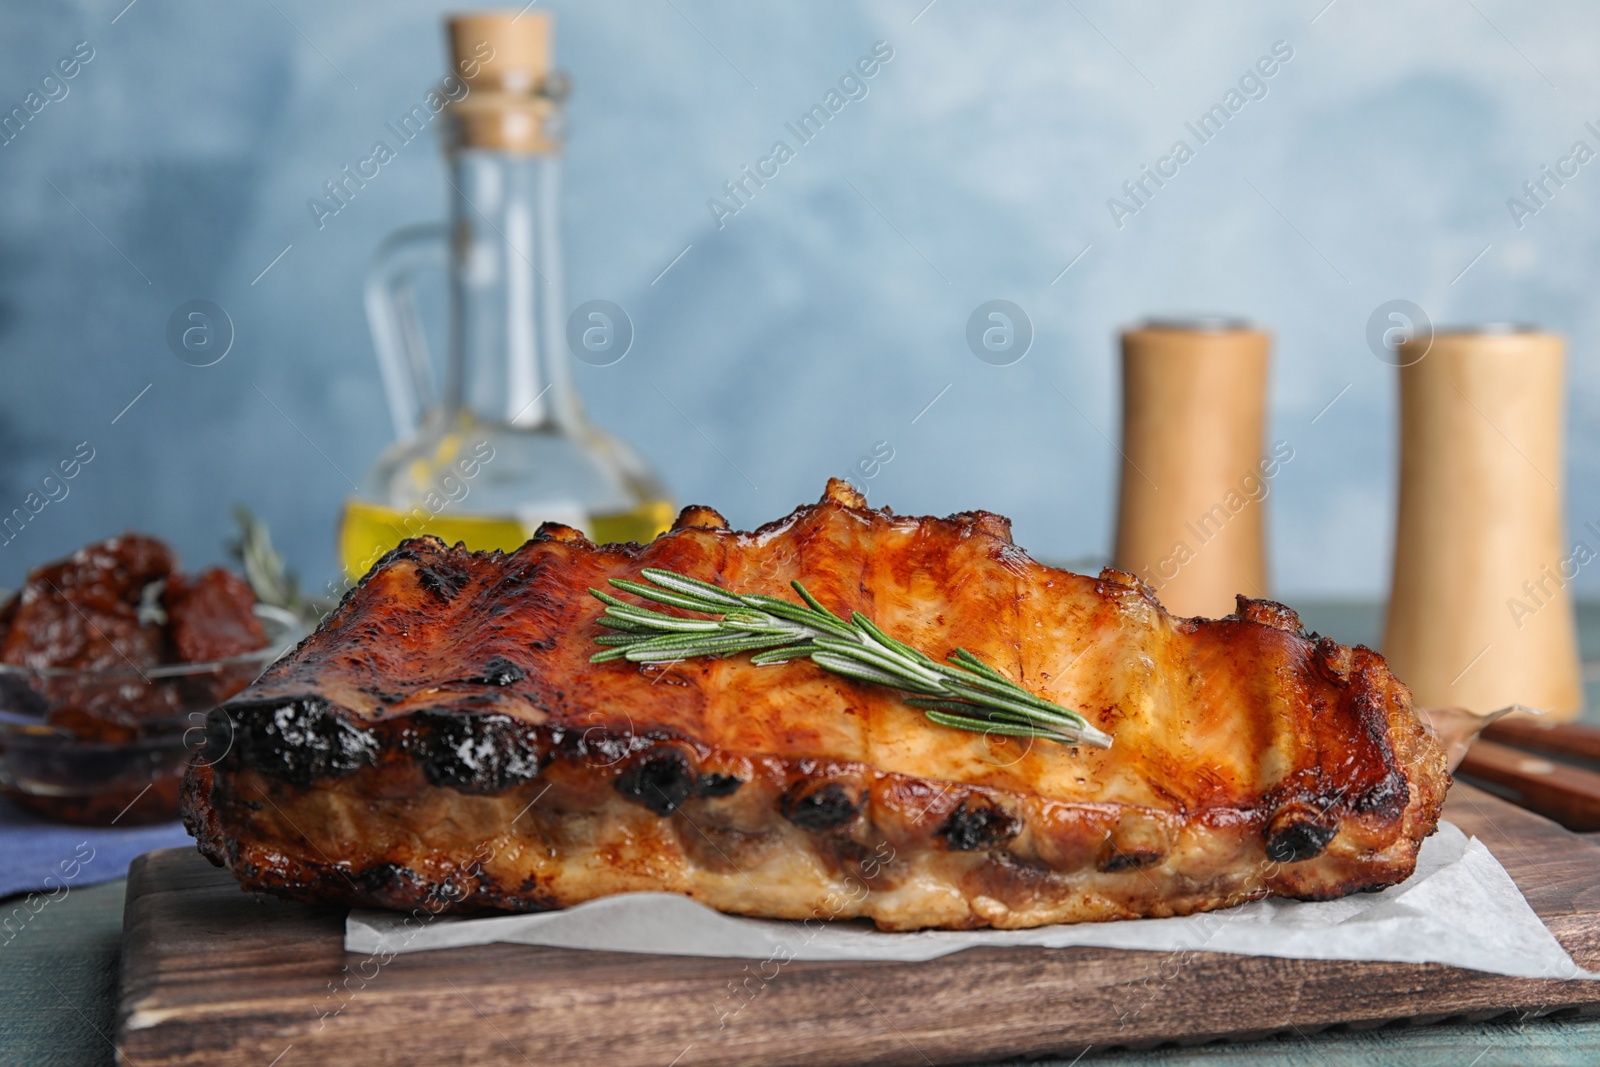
(212,616)
(122,604)
(443,741)
(83,611)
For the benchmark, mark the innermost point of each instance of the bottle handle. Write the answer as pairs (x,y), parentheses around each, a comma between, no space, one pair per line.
(409,380)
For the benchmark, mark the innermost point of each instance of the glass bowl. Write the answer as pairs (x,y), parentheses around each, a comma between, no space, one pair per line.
(103,747)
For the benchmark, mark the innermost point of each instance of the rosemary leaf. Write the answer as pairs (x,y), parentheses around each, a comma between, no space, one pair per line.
(625,625)
(966,659)
(681,583)
(907,675)
(984,726)
(851,668)
(665,622)
(758,623)
(662,596)
(814,603)
(620,639)
(959,707)
(796,614)
(641,654)
(783,654)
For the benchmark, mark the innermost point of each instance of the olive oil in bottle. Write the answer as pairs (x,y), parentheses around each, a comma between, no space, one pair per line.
(368,530)
(501,444)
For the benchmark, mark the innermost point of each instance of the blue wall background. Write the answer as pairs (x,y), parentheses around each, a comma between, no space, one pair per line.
(828,313)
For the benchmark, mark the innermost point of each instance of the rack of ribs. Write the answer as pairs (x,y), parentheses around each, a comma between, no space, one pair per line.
(442,740)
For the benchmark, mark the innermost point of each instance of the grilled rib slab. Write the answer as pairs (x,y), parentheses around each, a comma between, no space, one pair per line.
(442,741)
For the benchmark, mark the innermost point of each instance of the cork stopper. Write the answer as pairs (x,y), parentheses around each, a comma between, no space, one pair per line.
(502,51)
(504,58)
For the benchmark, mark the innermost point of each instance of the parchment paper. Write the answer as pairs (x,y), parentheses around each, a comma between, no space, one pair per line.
(1460,908)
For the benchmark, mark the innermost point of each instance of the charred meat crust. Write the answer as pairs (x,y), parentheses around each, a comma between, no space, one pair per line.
(975,824)
(447,706)
(659,781)
(300,740)
(1296,841)
(473,751)
(499,671)
(823,805)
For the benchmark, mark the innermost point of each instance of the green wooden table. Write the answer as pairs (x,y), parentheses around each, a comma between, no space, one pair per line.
(58,976)
(58,981)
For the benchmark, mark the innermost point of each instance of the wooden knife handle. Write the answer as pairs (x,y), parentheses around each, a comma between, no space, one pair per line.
(1569,795)
(1573,740)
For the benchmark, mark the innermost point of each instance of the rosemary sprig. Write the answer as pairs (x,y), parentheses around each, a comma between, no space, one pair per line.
(270,579)
(965,693)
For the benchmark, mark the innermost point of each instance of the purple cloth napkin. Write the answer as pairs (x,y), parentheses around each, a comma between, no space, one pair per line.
(33,849)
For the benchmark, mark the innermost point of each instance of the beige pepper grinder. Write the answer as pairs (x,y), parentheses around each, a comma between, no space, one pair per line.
(1480,608)
(1194,475)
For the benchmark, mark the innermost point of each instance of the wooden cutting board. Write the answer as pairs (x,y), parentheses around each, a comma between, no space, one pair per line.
(213,976)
